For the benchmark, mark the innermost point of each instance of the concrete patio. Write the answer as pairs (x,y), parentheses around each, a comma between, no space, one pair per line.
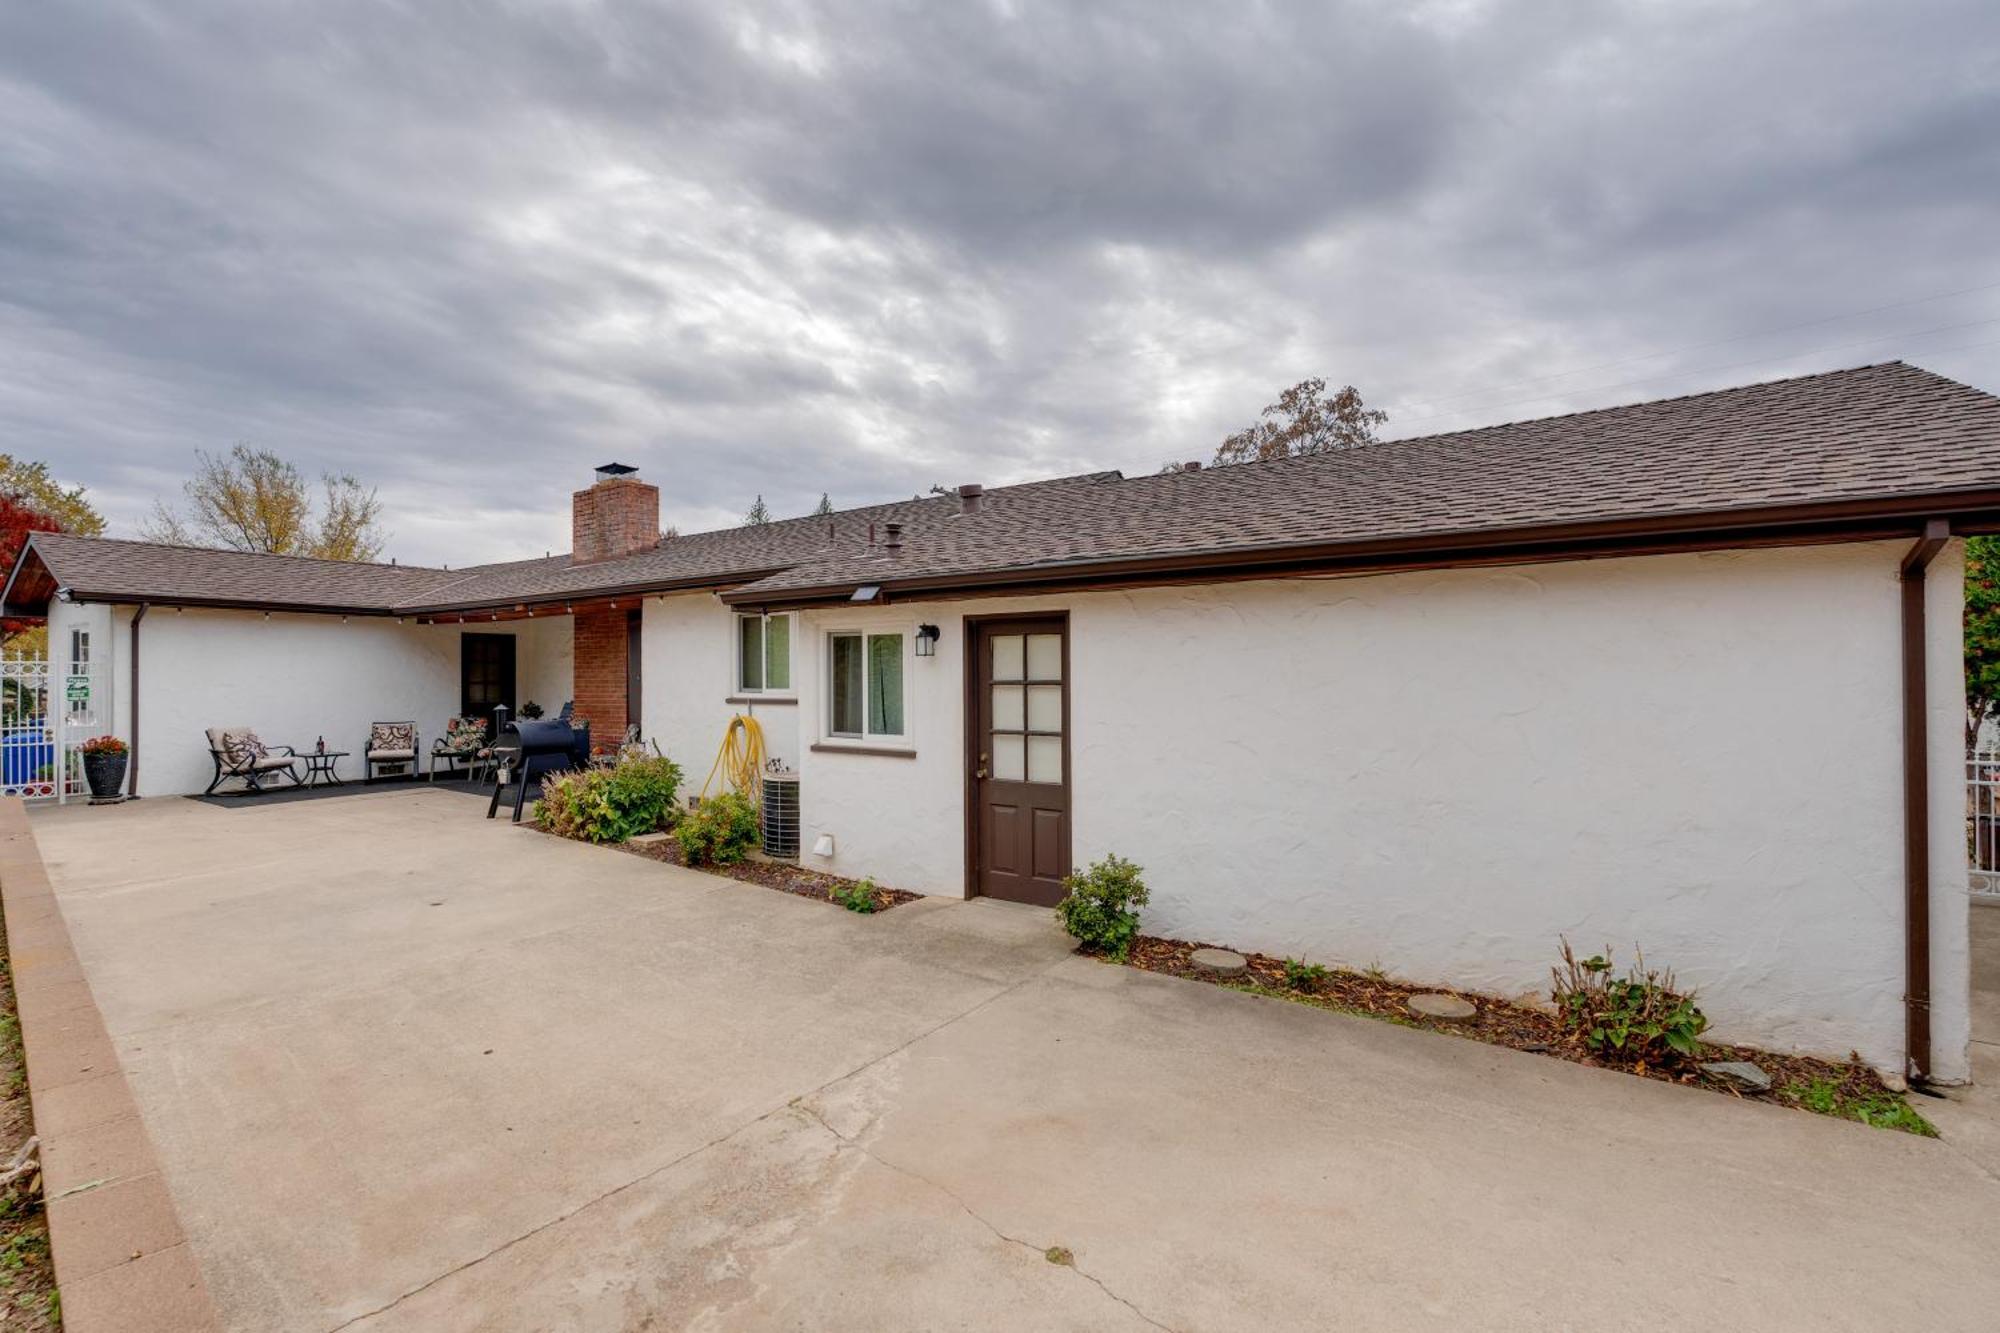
(408,1069)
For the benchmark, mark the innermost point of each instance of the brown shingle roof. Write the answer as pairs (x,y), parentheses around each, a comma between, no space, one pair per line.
(1885,432)
(1845,439)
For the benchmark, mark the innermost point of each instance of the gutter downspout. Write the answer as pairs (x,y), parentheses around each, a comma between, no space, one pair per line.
(132,774)
(1917,806)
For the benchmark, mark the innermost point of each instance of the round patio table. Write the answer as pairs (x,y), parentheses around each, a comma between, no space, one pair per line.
(319,764)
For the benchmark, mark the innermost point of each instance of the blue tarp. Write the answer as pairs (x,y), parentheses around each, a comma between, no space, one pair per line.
(25,756)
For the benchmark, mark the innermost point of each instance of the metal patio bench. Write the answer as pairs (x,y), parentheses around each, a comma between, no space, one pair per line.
(239,754)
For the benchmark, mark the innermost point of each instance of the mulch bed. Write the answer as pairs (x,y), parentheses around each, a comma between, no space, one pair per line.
(780,875)
(27,1274)
(1500,1022)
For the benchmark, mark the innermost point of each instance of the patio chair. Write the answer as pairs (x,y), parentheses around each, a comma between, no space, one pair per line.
(239,754)
(463,743)
(391,745)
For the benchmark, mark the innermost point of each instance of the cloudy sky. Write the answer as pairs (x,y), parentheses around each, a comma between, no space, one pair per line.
(468,251)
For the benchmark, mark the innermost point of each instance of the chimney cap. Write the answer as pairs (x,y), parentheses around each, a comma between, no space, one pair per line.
(610,470)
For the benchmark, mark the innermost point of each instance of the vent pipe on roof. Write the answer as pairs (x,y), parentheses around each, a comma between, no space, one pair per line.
(892,537)
(1191,466)
(969,496)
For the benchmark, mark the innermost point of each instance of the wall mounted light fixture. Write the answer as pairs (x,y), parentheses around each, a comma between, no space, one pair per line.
(927,640)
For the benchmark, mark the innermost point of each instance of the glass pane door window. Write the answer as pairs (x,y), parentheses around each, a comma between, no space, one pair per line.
(865,686)
(763,653)
(1027,722)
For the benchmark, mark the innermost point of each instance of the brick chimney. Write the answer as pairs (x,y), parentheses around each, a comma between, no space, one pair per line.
(619,515)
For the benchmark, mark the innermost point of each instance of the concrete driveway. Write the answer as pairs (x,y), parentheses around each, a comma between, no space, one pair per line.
(407,1069)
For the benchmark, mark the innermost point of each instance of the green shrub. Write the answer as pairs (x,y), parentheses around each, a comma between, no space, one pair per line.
(856,897)
(1102,907)
(718,831)
(634,796)
(1639,1016)
(1301,975)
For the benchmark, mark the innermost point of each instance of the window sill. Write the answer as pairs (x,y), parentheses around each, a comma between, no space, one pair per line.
(880,751)
(739,700)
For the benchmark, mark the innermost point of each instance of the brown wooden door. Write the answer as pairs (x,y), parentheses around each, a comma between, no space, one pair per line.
(1020,803)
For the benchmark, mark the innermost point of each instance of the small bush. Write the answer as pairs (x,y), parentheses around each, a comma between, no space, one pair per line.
(718,831)
(1102,908)
(1301,975)
(856,897)
(610,804)
(1640,1016)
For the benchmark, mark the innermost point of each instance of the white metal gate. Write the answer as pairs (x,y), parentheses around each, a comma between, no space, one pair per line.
(48,709)
(1982,823)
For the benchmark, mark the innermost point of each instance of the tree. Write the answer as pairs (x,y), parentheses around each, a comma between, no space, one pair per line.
(33,501)
(1304,421)
(253,500)
(759,513)
(824,507)
(17,520)
(1982,635)
(30,484)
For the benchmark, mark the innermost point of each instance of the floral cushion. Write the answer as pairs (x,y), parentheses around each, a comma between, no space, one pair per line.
(241,747)
(392,736)
(463,735)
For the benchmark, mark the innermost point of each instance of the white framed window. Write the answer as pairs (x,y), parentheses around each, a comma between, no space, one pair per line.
(865,686)
(764,654)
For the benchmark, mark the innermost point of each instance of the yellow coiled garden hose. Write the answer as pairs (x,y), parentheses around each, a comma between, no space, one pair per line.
(740,759)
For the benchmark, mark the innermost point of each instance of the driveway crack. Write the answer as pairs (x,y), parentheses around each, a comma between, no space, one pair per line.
(694,1152)
(1040,1251)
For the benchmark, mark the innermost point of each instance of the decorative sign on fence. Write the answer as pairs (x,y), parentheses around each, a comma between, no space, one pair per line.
(77,690)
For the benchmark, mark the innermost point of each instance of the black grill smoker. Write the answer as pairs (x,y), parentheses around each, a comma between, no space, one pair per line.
(529,751)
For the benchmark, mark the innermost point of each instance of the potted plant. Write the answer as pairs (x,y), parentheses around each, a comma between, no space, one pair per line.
(104,759)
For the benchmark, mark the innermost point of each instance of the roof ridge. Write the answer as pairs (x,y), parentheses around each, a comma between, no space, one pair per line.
(230,550)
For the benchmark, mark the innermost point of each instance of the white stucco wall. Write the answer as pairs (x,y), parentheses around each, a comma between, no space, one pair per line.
(295,678)
(688,661)
(544,661)
(291,678)
(1441,772)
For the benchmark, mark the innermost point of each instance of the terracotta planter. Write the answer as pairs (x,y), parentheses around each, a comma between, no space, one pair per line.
(105,772)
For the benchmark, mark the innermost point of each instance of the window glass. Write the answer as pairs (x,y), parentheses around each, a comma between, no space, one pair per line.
(1007,762)
(1008,714)
(750,653)
(1044,708)
(847,685)
(1045,657)
(778,652)
(1007,657)
(1045,759)
(885,684)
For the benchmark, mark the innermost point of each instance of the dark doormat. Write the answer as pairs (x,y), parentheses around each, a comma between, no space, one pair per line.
(243,800)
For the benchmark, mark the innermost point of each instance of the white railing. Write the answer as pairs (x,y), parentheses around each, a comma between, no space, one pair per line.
(47,711)
(1982,823)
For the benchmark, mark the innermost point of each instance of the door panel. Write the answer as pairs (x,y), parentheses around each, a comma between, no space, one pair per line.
(1018,702)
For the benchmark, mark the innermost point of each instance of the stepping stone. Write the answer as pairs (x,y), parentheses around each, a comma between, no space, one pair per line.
(1740,1074)
(1218,960)
(1444,1008)
(644,838)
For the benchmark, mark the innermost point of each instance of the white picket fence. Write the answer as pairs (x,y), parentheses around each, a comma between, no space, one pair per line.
(1982,823)
(47,711)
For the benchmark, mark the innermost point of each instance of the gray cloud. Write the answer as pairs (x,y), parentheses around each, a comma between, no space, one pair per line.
(785,248)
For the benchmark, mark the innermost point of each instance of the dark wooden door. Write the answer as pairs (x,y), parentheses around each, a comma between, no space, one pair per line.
(485,674)
(1020,787)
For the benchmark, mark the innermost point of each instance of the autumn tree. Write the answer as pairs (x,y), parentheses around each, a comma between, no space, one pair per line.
(759,513)
(253,500)
(30,484)
(1982,635)
(33,501)
(1304,420)
(824,507)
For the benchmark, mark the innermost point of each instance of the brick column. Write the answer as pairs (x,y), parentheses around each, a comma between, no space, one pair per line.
(600,674)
